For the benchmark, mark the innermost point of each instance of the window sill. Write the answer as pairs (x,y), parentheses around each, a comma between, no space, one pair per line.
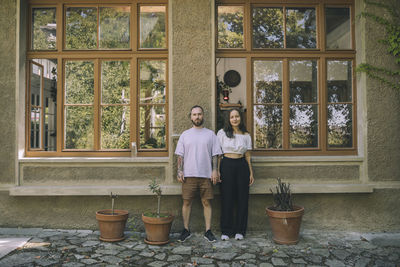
(307,159)
(141,190)
(95,160)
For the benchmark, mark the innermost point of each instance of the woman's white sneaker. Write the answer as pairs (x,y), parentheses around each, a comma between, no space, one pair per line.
(238,236)
(224,237)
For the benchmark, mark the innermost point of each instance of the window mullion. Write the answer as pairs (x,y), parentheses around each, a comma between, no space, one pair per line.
(247,26)
(323,106)
(96,104)
(321,28)
(134,118)
(285,104)
(284,27)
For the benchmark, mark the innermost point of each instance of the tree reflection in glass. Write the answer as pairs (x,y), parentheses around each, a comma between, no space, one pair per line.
(79,127)
(303,114)
(230,26)
(81,28)
(268,104)
(44,28)
(79,82)
(114,27)
(115,127)
(340,114)
(268,27)
(301,28)
(152,27)
(152,127)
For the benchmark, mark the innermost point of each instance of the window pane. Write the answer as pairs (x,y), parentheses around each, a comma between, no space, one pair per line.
(303,126)
(230,27)
(337,28)
(43,28)
(303,81)
(115,82)
(114,27)
(152,81)
(81,28)
(50,102)
(267,27)
(36,84)
(268,126)
(79,127)
(339,81)
(35,128)
(300,28)
(267,81)
(115,132)
(152,27)
(79,82)
(340,125)
(152,127)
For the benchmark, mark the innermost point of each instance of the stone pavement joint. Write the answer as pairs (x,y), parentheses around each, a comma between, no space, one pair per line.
(58,247)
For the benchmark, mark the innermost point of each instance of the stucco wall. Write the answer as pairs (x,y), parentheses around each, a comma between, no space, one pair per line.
(191,79)
(383,107)
(191,61)
(7,90)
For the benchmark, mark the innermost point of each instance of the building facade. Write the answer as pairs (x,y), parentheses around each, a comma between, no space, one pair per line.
(96,94)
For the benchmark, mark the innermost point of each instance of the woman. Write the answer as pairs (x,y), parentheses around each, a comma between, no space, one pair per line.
(236,175)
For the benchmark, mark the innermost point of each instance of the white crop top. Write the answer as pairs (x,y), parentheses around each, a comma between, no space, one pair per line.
(237,145)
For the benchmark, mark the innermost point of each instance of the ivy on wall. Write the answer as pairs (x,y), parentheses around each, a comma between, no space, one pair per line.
(392,41)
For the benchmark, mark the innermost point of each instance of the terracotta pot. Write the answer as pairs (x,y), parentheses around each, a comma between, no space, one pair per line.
(112,226)
(157,229)
(285,225)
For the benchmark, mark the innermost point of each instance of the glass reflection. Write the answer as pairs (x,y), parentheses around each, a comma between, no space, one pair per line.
(337,28)
(268,27)
(303,126)
(114,27)
(79,82)
(44,29)
(339,81)
(35,140)
(81,28)
(115,82)
(152,81)
(115,131)
(340,125)
(303,81)
(230,26)
(152,127)
(152,27)
(301,28)
(267,81)
(268,126)
(78,127)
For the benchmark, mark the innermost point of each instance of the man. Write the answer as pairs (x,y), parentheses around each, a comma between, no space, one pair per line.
(197,151)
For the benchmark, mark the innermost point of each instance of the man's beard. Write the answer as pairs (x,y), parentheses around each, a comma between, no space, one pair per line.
(197,123)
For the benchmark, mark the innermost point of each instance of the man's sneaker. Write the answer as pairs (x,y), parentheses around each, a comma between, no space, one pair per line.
(209,236)
(238,236)
(184,235)
(224,237)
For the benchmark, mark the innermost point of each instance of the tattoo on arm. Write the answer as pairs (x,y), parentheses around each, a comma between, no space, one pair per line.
(215,163)
(180,164)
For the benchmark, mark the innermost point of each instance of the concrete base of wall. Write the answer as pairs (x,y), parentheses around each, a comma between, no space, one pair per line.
(362,212)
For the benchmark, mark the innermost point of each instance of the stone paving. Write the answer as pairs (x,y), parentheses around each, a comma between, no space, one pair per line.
(74,248)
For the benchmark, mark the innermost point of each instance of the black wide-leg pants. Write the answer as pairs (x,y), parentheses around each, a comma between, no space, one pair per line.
(235,176)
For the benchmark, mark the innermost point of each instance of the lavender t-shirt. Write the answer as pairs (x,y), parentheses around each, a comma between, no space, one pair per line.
(197,147)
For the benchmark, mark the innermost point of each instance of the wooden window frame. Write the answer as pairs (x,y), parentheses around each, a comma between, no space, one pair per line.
(133,55)
(320,54)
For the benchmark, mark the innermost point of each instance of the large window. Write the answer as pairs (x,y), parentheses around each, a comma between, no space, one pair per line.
(298,63)
(97,78)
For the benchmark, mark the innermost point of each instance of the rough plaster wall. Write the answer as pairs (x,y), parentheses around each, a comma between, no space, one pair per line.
(383,117)
(369,212)
(191,60)
(7,90)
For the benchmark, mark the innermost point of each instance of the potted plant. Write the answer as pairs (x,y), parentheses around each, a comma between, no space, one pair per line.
(112,222)
(157,225)
(284,217)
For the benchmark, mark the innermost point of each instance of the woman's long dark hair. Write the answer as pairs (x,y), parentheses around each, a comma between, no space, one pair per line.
(228,127)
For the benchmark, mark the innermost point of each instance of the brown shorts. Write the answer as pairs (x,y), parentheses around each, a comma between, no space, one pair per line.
(192,184)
